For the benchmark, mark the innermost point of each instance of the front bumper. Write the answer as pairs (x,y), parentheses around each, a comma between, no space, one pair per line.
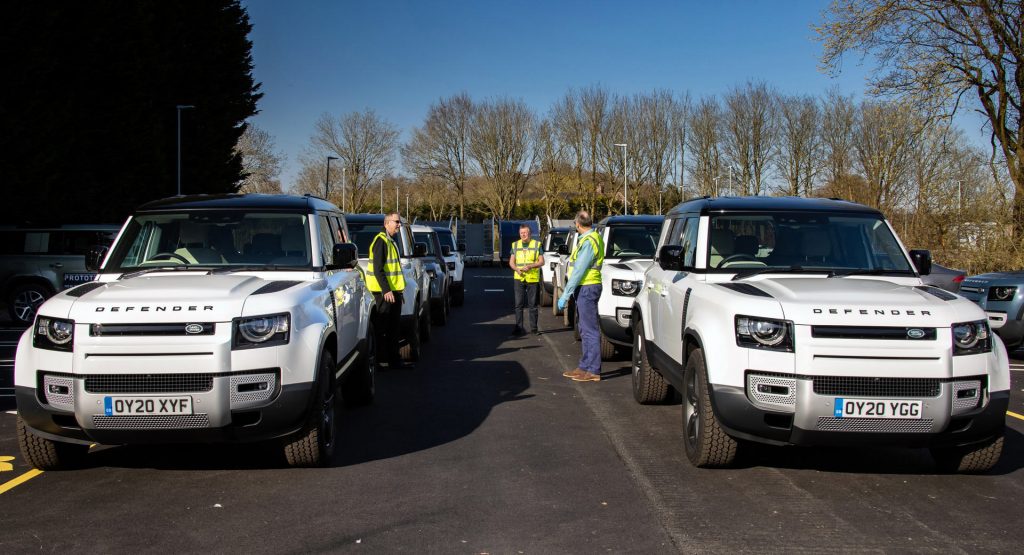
(618,329)
(243,406)
(1011,332)
(807,418)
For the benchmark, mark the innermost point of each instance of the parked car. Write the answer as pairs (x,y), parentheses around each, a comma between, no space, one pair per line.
(455,259)
(214,318)
(819,332)
(555,238)
(630,244)
(1001,296)
(37,262)
(945,278)
(561,277)
(416,300)
(437,268)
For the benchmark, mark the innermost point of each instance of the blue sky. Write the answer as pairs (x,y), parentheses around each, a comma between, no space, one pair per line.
(399,56)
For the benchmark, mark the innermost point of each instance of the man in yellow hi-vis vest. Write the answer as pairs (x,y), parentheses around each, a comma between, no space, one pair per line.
(525,260)
(387,283)
(586,259)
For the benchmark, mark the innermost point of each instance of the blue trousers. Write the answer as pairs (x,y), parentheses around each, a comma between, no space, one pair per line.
(590,334)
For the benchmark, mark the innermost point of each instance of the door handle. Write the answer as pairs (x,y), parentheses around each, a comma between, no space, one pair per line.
(57,265)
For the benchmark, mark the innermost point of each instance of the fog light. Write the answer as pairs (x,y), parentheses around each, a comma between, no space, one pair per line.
(58,389)
(772,389)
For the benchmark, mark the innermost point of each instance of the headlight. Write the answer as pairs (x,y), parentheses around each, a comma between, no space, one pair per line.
(53,334)
(1001,293)
(764,333)
(554,265)
(432,273)
(451,265)
(971,338)
(261,331)
(626,287)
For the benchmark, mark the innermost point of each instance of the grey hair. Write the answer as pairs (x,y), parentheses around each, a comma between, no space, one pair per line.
(583,218)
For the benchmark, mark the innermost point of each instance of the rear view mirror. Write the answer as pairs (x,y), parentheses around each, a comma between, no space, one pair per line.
(461,247)
(670,258)
(563,250)
(419,250)
(345,257)
(95,257)
(922,260)
(446,251)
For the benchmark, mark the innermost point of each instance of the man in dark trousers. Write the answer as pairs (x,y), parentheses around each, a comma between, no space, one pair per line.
(526,258)
(386,281)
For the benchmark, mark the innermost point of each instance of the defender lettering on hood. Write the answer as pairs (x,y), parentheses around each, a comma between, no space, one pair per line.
(175,308)
(872,311)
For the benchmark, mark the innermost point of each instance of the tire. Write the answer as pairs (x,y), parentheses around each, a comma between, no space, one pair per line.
(439,313)
(706,444)
(554,304)
(649,387)
(425,330)
(972,459)
(607,348)
(545,297)
(460,295)
(360,385)
(410,352)
(23,300)
(46,454)
(314,444)
(568,313)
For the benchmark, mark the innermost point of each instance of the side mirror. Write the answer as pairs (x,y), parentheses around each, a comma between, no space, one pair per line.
(670,258)
(419,250)
(922,260)
(446,251)
(344,257)
(461,247)
(563,250)
(95,257)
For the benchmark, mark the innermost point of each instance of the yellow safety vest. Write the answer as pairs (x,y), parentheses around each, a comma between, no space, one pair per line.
(392,267)
(593,275)
(527,254)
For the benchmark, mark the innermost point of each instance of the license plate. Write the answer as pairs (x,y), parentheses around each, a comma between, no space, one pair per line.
(71,280)
(877,408)
(131,406)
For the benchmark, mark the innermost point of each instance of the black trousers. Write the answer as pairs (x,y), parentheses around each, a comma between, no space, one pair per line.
(389,327)
(527,295)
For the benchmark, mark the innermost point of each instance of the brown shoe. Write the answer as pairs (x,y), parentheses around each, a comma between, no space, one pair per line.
(574,373)
(587,377)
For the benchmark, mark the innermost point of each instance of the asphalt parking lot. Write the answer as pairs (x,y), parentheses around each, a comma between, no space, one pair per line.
(485,448)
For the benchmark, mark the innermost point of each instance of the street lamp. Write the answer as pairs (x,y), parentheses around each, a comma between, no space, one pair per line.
(180,107)
(343,168)
(381,196)
(625,188)
(327,181)
(959,196)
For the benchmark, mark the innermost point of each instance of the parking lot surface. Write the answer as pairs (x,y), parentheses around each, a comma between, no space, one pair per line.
(485,448)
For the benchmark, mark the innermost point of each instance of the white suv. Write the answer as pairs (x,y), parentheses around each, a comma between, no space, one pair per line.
(555,238)
(630,243)
(455,261)
(214,318)
(805,321)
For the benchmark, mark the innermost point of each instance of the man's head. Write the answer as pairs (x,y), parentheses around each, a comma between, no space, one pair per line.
(524,232)
(392,221)
(583,221)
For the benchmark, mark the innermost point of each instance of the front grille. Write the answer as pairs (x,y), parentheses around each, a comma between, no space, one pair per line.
(181,329)
(880,425)
(876,387)
(151,422)
(865,332)
(155,383)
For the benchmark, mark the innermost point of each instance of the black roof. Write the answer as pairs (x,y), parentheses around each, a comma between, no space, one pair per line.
(239,201)
(441,229)
(564,228)
(364,218)
(709,205)
(638,219)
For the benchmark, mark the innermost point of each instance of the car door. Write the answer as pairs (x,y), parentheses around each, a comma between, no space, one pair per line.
(342,285)
(656,280)
(677,287)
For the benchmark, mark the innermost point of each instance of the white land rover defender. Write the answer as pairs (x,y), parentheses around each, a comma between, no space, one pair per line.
(630,243)
(213,318)
(804,321)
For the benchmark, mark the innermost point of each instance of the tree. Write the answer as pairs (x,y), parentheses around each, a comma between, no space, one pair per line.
(838,118)
(261,164)
(799,143)
(936,53)
(439,148)
(89,108)
(749,134)
(883,142)
(703,140)
(502,145)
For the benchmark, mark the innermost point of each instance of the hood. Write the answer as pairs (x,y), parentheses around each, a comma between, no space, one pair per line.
(983,279)
(865,302)
(164,298)
(638,265)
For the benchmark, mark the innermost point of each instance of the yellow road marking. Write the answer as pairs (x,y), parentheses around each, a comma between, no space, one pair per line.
(5,464)
(11,484)
(1015,415)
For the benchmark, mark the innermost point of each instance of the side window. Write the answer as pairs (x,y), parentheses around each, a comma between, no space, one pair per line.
(675,232)
(326,239)
(688,240)
(338,230)
(37,242)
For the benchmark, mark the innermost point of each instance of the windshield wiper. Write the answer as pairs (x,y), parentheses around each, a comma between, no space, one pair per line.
(257,268)
(864,272)
(164,268)
(788,270)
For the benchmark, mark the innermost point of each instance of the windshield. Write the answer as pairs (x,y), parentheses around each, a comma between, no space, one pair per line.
(446,238)
(213,239)
(363,233)
(633,241)
(425,238)
(805,240)
(556,239)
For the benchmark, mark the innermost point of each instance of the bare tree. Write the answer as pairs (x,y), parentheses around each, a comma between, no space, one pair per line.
(595,107)
(884,138)
(937,52)
(567,121)
(749,134)
(551,162)
(703,140)
(439,148)
(501,144)
(261,164)
(799,143)
(365,145)
(838,119)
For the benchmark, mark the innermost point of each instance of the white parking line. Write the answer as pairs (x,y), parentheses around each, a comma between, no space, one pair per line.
(14,412)
(493,290)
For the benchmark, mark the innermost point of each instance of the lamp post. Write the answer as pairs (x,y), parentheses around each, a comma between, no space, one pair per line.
(625,188)
(381,196)
(327,180)
(396,199)
(716,178)
(959,196)
(180,107)
(343,168)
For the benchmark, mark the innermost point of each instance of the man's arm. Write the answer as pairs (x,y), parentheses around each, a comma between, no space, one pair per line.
(380,257)
(584,257)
